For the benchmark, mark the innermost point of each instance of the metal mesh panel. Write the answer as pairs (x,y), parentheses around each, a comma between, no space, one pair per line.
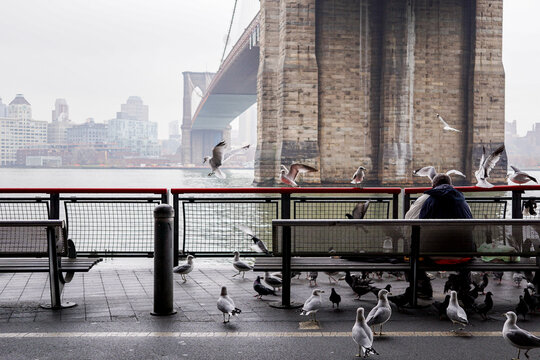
(24,210)
(210,226)
(337,208)
(111,226)
(21,240)
(348,240)
(529,232)
(486,209)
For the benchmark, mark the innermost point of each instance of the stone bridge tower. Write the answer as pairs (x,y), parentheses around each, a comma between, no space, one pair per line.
(344,83)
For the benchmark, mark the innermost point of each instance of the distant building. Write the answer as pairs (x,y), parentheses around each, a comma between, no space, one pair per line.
(3,109)
(135,109)
(174,129)
(87,133)
(57,129)
(61,110)
(19,131)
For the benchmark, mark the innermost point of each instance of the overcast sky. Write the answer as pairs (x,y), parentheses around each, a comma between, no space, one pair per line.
(97,53)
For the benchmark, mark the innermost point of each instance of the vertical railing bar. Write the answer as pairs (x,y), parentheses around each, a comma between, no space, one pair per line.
(176,230)
(415,249)
(395,206)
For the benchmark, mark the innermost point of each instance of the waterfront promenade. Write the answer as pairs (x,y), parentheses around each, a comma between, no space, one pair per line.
(113,321)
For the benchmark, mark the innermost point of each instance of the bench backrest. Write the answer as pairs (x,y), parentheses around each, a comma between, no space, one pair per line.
(29,238)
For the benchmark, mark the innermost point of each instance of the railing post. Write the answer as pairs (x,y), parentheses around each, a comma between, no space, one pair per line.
(285,206)
(406,202)
(163,260)
(176,230)
(415,250)
(516,204)
(55,206)
(395,206)
(165,197)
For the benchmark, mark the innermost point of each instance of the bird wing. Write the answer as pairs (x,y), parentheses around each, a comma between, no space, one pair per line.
(378,315)
(483,183)
(180,269)
(360,210)
(515,168)
(299,168)
(358,172)
(245,229)
(312,303)
(522,337)
(428,171)
(217,153)
(492,160)
(240,265)
(261,246)
(231,153)
(219,174)
(224,305)
(455,172)
(479,174)
(360,336)
(442,120)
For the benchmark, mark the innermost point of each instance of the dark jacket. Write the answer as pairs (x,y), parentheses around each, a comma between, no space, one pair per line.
(445,202)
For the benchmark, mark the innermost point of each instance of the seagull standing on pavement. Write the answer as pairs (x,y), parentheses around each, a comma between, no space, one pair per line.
(288,176)
(240,265)
(185,269)
(486,165)
(455,313)
(381,313)
(219,157)
(226,305)
(313,304)
(517,337)
(362,335)
(258,245)
(359,175)
(446,126)
(359,211)
(520,177)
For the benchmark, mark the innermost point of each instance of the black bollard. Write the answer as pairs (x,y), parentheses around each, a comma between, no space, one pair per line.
(163,260)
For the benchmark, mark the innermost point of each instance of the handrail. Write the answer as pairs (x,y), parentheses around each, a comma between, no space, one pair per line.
(418,190)
(289,190)
(84,190)
(403,222)
(22,223)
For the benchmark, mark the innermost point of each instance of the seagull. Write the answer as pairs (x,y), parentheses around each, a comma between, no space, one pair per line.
(455,313)
(446,126)
(517,337)
(517,278)
(335,298)
(240,265)
(362,335)
(358,176)
(430,172)
(258,245)
(273,281)
(359,211)
(520,177)
(381,313)
(226,305)
(184,269)
(486,165)
(312,277)
(219,157)
(288,176)
(261,289)
(313,304)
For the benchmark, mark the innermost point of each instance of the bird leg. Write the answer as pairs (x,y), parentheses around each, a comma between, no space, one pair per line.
(224,318)
(527,355)
(236,274)
(380,331)
(243,273)
(184,277)
(360,351)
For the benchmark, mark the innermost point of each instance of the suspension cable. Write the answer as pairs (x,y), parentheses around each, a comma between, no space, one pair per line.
(228,33)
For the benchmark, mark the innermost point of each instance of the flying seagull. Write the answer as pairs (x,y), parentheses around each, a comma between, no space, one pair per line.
(313,304)
(446,126)
(288,176)
(359,211)
(455,313)
(358,176)
(226,305)
(430,172)
(258,245)
(362,335)
(517,337)
(219,157)
(240,265)
(486,165)
(184,269)
(381,313)
(520,177)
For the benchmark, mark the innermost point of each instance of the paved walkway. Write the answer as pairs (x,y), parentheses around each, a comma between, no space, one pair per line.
(115,300)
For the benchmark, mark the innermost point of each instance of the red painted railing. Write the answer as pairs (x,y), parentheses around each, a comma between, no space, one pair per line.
(82,191)
(289,190)
(497,188)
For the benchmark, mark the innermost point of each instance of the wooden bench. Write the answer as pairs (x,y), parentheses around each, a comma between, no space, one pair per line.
(41,246)
(397,245)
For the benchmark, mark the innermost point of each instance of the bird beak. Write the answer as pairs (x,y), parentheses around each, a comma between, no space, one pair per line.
(389,294)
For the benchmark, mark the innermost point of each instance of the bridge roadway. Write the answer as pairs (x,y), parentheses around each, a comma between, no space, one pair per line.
(113,320)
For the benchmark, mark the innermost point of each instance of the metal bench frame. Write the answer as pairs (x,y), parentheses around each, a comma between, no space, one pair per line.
(19,262)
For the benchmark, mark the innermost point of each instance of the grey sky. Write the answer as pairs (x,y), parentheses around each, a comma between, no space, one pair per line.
(97,53)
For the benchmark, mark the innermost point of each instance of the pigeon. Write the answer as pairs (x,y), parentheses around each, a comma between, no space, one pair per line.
(455,313)
(313,304)
(240,265)
(486,165)
(430,172)
(517,337)
(335,298)
(358,176)
(312,277)
(184,269)
(520,177)
(361,287)
(359,211)
(403,299)
(498,275)
(441,306)
(381,313)
(522,308)
(529,207)
(219,157)
(375,290)
(531,301)
(261,289)
(288,176)
(517,278)
(486,306)
(484,283)
(273,281)
(258,245)
(446,126)
(362,335)
(226,305)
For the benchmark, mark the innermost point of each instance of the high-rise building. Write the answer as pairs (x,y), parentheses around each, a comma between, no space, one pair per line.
(134,109)
(87,133)
(61,110)
(57,129)
(3,109)
(19,108)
